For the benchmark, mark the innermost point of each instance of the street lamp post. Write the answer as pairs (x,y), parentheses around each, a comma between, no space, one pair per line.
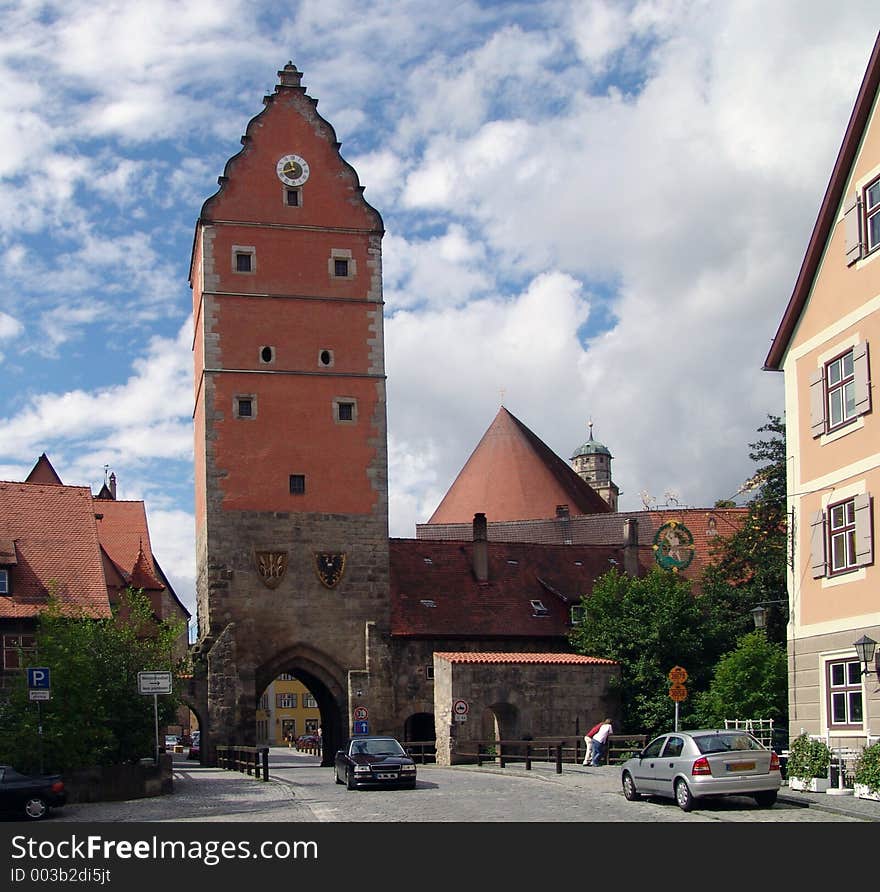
(865,648)
(759,612)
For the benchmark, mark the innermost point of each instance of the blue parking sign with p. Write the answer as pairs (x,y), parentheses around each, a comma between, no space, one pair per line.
(38,678)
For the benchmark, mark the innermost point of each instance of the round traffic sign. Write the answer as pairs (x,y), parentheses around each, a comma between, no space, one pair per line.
(460,707)
(678,692)
(677,675)
(360,713)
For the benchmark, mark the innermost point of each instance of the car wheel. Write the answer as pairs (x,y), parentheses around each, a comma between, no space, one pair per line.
(631,794)
(766,798)
(350,781)
(683,796)
(35,808)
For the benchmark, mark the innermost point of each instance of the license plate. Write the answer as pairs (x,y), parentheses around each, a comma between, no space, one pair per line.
(740,766)
(386,776)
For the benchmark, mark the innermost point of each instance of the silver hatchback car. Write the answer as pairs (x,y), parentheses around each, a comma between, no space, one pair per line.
(691,765)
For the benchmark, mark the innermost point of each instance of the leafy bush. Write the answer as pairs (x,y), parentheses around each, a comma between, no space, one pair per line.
(808,758)
(868,768)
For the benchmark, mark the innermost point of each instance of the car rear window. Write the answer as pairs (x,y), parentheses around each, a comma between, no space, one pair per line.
(724,743)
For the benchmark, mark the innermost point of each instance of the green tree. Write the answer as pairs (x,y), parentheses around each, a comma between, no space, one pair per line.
(96,715)
(749,682)
(750,565)
(649,625)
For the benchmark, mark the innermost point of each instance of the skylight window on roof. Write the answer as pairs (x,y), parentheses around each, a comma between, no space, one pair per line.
(4,582)
(428,602)
(511,561)
(428,560)
(538,608)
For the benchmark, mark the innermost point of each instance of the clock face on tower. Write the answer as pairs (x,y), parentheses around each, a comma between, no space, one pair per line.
(292,170)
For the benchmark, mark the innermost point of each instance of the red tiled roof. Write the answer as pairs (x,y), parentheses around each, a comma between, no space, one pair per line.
(706,525)
(123,533)
(521,658)
(142,576)
(43,472)
(434,592)
(56,543)
(513,475)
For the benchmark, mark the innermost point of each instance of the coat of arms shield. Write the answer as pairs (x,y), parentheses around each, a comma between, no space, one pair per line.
(271,565)
(329,566)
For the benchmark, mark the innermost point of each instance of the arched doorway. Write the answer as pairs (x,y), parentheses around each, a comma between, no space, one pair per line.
(324,682)
(500,721)
(419,729)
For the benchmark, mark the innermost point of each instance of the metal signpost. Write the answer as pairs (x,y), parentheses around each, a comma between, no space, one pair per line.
(38,679)
(677,692)
(155,683)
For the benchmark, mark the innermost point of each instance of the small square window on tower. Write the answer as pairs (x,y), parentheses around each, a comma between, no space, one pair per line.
(341,264)
(293,197)
(297,484)
(344,410)
(245,405)
(244,259)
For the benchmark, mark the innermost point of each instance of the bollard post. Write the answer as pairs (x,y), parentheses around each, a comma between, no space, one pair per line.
(559,758)
(266,764)
(528,758)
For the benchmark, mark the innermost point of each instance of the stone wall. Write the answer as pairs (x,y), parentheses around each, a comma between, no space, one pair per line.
(114,783)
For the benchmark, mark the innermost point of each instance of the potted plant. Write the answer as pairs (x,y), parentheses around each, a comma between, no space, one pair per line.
(808,762)
(866,780)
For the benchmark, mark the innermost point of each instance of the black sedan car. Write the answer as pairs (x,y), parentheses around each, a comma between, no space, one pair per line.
(30,796)
(375,761)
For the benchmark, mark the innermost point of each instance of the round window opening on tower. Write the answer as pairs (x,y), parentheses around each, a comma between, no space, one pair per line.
(325,357)
(267,354)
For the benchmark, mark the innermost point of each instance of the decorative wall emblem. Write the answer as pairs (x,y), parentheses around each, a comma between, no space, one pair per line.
(329,566)
(271,565)
(673,546)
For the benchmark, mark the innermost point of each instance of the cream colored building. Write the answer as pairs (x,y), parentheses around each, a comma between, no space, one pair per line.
(828,347)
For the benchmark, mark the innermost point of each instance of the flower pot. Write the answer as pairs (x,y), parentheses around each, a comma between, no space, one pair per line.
(813,785)
(862,791)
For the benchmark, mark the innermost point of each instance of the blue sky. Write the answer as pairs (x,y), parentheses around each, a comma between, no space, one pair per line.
(598,208)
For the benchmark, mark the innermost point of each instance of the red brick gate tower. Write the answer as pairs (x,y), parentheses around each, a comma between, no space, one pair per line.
(290,427)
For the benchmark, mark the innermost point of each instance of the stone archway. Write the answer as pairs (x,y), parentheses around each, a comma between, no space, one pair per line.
(326,682)
(500,721)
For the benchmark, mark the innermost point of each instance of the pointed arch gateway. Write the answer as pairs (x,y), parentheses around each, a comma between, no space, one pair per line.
(326,681)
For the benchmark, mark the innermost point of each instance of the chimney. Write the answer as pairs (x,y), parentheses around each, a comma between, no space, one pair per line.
(481,548)
(631,546)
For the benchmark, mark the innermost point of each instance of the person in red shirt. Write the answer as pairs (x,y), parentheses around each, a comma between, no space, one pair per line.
(600,742)
(588,738)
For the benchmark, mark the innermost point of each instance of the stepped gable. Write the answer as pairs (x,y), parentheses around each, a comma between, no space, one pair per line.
(436,592)
(52,528)
(513,475)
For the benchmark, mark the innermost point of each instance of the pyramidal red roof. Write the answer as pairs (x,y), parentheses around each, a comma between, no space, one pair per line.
(514,475)
(43,472)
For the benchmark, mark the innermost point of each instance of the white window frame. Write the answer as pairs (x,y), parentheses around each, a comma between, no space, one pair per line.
(286,701)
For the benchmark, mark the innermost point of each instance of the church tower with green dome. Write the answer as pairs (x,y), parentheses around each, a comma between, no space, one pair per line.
(592,462)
